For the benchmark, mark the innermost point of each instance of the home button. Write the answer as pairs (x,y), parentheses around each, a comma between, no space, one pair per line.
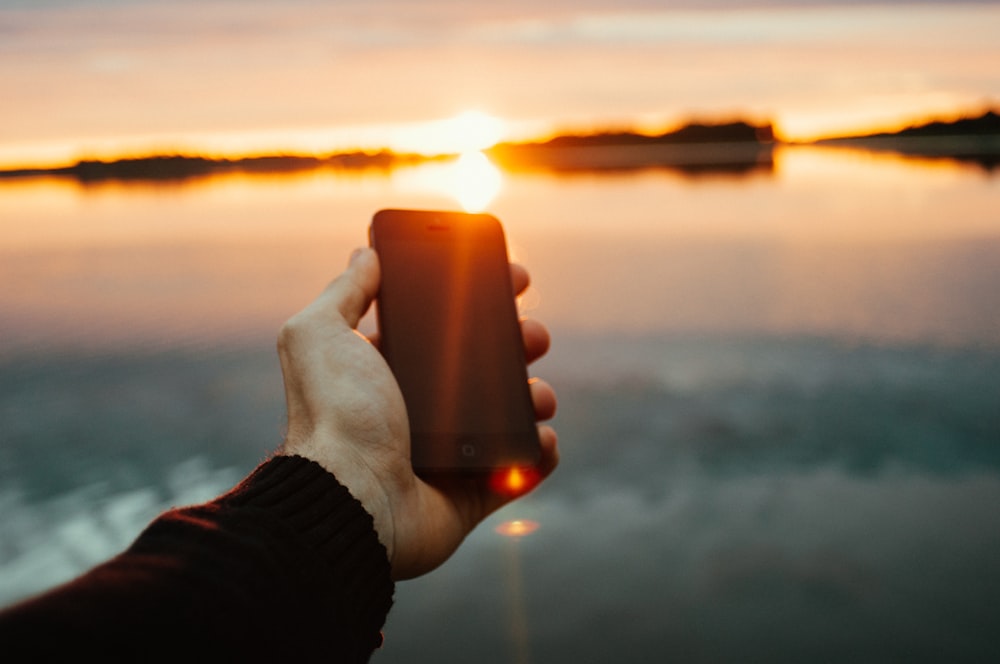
(468,449)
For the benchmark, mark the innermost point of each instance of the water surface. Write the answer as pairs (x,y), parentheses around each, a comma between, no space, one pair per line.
(779,397)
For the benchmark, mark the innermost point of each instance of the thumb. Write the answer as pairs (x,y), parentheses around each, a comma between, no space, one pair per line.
(353,291)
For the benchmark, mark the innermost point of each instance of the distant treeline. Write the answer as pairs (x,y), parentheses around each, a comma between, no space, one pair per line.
(693,148)
(180,167)
(168,168)
(729,132)
(973,140)
(987,124)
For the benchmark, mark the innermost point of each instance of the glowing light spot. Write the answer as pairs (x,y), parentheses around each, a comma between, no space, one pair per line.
(517,527)
(477,181)
(515,481)
(471,179)
(469,131)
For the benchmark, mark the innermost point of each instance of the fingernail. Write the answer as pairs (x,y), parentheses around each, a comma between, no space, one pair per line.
(355,255)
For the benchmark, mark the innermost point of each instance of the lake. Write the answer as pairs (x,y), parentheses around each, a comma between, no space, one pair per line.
(779,396)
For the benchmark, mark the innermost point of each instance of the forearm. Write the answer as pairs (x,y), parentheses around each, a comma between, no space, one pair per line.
(286,564)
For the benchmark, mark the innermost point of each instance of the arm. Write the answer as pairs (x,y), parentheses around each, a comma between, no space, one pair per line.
(261,571)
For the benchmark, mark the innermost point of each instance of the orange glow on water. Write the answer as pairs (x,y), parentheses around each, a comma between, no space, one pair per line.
(470,179)
(476,182)
(832,242)
(517,527)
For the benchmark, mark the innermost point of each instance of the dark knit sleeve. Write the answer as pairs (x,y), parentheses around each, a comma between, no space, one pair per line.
(286,566)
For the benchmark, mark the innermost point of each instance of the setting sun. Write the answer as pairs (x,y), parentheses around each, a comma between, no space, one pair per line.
(469,131)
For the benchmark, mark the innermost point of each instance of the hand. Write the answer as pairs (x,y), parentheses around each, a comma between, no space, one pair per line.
(345,412)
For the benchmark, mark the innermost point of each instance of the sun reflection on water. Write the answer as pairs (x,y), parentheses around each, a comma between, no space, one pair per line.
(470,179)
(517,527)
(476,181)
(515,530)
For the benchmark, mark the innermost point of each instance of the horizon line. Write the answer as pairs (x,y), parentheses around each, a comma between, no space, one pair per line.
(385,156)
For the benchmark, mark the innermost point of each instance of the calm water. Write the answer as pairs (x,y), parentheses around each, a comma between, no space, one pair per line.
(779,398)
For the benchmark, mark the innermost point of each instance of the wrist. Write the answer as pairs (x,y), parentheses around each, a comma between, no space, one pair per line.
(357,477)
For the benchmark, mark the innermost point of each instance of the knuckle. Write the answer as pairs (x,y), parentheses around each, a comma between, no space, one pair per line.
(289,334)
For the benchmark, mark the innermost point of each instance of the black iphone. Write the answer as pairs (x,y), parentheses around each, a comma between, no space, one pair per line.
(450,333)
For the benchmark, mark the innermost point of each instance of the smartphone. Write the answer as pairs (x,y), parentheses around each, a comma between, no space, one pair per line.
(449,331)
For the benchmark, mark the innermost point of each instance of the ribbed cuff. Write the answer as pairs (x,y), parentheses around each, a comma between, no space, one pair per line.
(311,501)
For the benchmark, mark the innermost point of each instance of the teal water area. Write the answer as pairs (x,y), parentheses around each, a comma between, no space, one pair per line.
(741,497)
(779,399)
(795,500)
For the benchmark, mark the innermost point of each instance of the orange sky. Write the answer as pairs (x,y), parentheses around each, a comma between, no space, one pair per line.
(104,78)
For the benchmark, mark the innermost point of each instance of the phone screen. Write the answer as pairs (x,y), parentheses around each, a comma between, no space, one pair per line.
(450,333)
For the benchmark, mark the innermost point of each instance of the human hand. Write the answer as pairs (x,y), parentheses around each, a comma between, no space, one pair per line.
(345,412)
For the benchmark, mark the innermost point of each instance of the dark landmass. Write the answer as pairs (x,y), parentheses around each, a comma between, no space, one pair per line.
(974,140)
(983,125)
(730,132)
(694,149)
(172,168)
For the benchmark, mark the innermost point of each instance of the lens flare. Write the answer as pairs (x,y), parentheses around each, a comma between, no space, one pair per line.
(515,481)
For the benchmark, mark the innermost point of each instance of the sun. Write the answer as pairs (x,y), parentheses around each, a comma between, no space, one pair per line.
(469,131)
(473,131)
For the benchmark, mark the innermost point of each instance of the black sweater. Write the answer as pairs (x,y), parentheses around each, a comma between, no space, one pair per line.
(285,567)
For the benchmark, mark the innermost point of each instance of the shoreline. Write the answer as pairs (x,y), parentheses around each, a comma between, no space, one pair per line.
(734,147)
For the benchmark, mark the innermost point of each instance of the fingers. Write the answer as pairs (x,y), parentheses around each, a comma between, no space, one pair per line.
(535,335)
(550,450)
(536,339)
(520,278)
(544,399)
